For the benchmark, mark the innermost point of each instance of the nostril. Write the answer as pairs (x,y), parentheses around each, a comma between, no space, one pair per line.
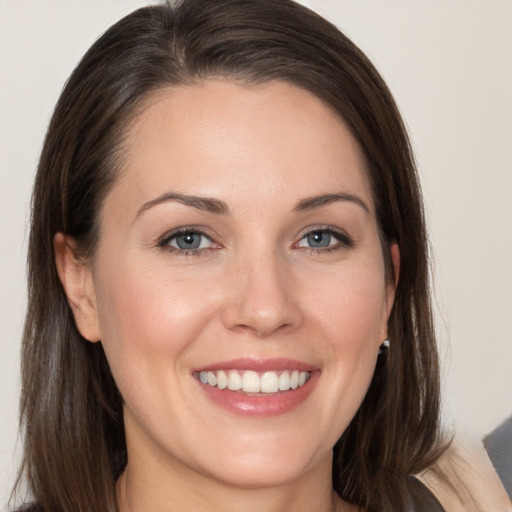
(261,323)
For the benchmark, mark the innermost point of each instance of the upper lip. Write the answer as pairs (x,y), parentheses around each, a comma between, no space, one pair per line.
(258,365)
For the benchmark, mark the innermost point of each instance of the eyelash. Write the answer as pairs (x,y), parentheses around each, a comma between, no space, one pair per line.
(164,243)
(344,241)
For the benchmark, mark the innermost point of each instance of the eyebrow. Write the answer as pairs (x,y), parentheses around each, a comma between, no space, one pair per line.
(201,203)
(309,203)
(219,207)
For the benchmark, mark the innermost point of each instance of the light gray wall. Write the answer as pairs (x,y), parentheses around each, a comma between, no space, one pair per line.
(449,64)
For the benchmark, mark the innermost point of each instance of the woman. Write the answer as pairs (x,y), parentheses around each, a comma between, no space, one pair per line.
(228,278)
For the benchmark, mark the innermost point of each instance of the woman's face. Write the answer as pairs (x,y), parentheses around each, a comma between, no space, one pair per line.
(239,247)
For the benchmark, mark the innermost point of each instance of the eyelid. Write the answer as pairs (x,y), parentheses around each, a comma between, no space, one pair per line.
(344,239)
(164,241)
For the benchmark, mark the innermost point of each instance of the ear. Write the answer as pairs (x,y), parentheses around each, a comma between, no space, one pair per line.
(77,281)
(394,252)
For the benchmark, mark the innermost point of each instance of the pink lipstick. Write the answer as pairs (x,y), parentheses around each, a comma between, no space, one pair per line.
(257,387)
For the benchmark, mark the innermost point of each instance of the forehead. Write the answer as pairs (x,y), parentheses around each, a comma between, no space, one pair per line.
(218,138)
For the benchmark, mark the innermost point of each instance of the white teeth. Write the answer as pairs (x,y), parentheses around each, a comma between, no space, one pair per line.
(252,382)
(234,380)
(212,379)
(294,380)
(222,380)
(284,381)
(269,382)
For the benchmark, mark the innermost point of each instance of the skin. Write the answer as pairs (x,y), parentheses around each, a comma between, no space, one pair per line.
(254,288)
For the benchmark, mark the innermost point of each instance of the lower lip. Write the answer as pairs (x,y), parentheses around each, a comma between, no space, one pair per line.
(261,405)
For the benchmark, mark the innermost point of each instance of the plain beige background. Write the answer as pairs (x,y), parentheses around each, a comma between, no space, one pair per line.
(449,65)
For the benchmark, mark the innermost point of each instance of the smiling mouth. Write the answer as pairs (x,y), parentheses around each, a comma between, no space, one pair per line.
(248,381)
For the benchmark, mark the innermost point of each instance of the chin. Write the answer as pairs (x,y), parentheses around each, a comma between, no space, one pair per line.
(268,462)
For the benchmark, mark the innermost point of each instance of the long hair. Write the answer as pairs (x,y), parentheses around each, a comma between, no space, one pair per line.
(71,409)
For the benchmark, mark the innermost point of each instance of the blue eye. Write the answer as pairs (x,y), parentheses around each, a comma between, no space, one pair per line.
(186,240)
(328,239)
(319,239)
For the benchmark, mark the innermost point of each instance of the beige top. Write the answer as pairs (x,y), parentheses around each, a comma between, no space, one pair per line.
(473,485)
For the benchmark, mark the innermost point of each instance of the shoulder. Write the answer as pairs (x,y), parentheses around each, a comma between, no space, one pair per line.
(464,479)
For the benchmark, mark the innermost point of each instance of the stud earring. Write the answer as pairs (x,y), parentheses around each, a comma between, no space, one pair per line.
(384,347)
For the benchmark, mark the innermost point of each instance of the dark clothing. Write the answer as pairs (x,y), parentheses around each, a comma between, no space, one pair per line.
(499,447)
(421,499)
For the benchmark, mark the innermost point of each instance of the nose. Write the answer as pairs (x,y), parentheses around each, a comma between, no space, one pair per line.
(261,298)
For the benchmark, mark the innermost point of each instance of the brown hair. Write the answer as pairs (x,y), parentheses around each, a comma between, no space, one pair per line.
(71,409)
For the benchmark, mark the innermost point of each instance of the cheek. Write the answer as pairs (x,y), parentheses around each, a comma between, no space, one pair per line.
(148,318)
(350,314)
(352,305)
(148,322)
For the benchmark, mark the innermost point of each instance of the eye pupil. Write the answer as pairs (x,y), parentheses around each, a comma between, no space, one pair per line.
(319,239)
(188,241)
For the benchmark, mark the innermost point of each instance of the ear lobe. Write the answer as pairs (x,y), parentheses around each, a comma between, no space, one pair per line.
(76,278)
